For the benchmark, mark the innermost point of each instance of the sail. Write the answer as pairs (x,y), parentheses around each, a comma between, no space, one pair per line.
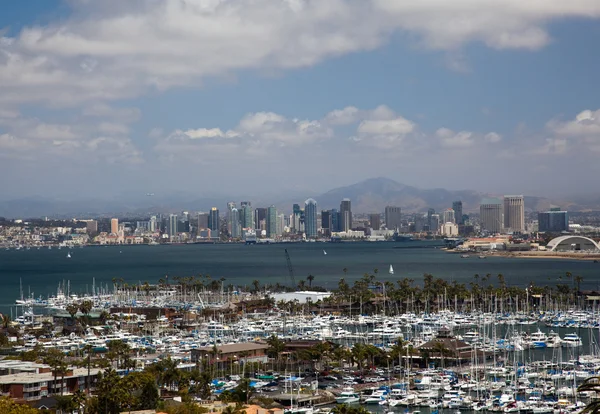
(391,270)
(324,252)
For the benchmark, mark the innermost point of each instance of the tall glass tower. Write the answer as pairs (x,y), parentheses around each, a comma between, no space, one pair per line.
(310,218)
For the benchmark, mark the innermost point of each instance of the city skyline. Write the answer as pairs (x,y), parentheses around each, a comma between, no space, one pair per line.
(89,104)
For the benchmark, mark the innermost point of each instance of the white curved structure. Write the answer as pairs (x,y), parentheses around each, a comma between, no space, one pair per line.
(572,243)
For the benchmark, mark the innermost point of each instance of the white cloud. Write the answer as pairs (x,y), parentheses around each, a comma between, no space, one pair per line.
(583,132)
(113,50)
(451,139)
(346,116)
(492,137)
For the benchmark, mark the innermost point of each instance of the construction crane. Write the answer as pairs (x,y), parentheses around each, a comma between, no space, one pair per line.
(290,268)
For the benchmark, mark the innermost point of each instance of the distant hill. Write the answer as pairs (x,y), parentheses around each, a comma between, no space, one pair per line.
(374,194)
(369,196)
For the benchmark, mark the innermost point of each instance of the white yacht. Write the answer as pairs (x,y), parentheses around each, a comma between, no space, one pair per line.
(376,397)
(348,396)
(572,340)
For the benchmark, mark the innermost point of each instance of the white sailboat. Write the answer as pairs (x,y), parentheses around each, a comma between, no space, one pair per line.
(69,255)
(324,252)
(391,270)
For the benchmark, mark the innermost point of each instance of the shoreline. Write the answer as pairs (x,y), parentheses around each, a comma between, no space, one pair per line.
(549,255)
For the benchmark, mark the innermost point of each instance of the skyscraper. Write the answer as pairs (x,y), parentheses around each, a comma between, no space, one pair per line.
(375,221)
(490,215)
(271,222)
(213,221)
(345,215)
(430,213)
(458,211)
(310,218)
(172,225)
(326,223)
(92,227)
(114,226)
(203,221)
(153,224)
(434,227)
(234,223)
(260,214)
(335,220)
(247,215)
(514,213)
(553,221)
(393,217)
(449,216)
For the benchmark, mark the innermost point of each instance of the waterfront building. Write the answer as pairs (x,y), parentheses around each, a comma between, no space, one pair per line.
(234,223)
(457,206)
(91,227)
(310,218)
(449,216)
(172,225)
(553,221)
(393,217)
(213,220)
(449,229)
(514,213)
(114,226)
(281,228)
(345,215)
(490,215)
(375,221)
(420,222)
(271,222)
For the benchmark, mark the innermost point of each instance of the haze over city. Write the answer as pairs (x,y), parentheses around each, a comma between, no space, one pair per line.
(100,99)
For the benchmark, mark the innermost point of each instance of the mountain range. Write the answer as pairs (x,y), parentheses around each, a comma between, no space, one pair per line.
(368,196)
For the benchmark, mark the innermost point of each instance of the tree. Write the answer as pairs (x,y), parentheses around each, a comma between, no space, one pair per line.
(310,279)
(276,347)
(8,406)
(56,360)
(591,384)
(72,309)
(349,409)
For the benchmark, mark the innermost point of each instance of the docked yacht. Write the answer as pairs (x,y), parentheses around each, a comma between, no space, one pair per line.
(572,340)
(348,396)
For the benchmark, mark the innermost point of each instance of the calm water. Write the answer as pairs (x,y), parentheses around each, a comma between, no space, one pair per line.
(42,270)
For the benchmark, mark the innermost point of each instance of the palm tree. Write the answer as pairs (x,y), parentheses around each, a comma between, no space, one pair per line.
(256,285)
(72,309)
(276,347)
(591,384)
(310,279)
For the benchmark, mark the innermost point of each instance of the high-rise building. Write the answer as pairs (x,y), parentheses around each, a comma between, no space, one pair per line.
(310,218)
(553,221)
(375,221)
(246,215)
(434,226)
(457,206)
(172,225)
(271,222)
(260,215)
(420,222)
(214,221)
(203,221)
(393,217)
(326,224)
(91,227)
(430,213)
(514,213)
(234,223)
(490,215)
(335,220)
(448,216)
(345,215)
(153,224)
(114,226)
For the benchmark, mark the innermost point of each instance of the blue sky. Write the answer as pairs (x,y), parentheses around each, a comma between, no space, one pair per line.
(301,95)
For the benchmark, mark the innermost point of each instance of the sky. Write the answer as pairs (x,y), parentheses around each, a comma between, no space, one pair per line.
(228,97)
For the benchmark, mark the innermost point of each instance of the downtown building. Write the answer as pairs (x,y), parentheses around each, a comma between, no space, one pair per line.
(393,217)
(514,213)
(490,215)
(345,215)
(310,219)
(553,221)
